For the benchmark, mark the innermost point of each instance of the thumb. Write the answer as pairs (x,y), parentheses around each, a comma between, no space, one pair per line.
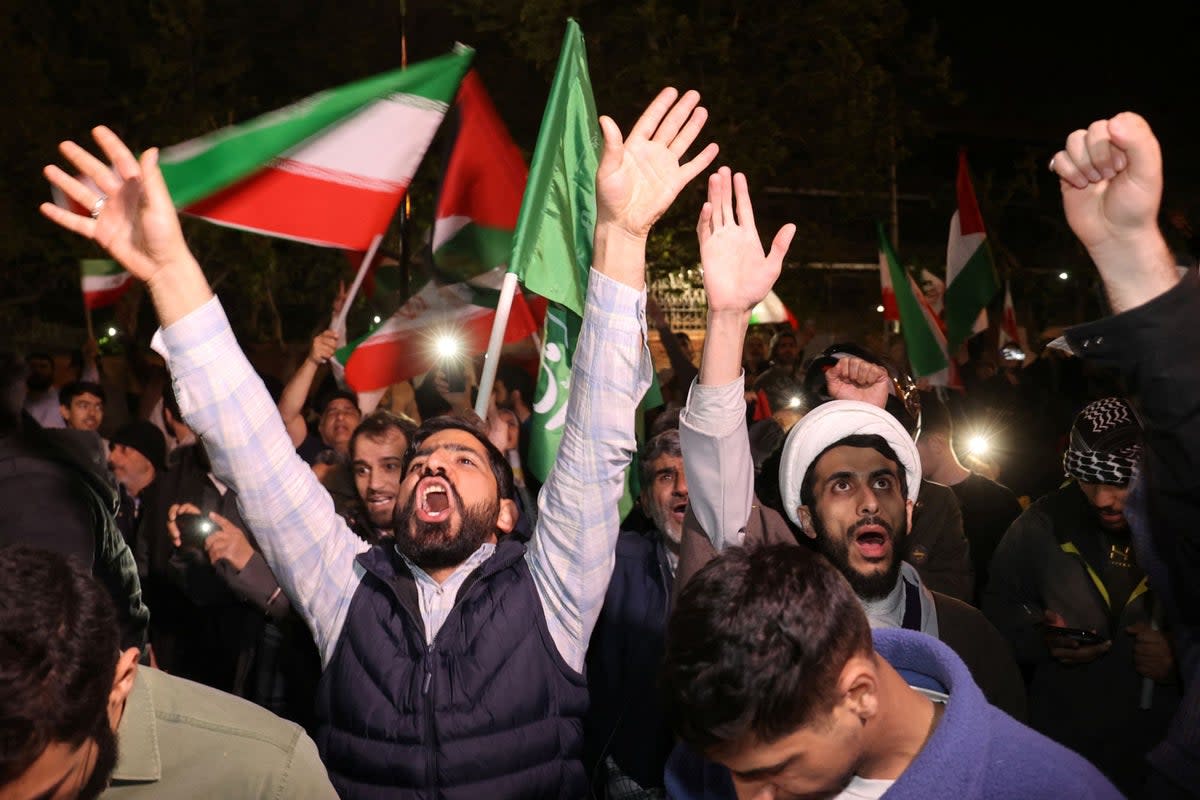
(780,245)
(1132,134)
(614,145)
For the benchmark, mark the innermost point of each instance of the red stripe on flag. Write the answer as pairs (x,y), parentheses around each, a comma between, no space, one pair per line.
(105,297)
(969,219)
(302,207)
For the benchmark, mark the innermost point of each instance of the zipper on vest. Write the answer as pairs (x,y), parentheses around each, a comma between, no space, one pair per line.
(430,721)
(428,669)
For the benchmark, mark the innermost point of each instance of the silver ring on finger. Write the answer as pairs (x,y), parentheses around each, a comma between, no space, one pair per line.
(98,206)
(1051,165)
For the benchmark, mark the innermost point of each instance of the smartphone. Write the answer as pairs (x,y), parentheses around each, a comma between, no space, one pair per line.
(1080,635)
(194,529)
(456,377)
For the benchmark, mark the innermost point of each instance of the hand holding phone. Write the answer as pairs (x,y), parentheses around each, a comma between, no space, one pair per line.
(1083,637)
(194,529)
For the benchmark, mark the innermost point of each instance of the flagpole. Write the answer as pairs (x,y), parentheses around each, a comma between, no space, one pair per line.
(87,317)
(492,362)
(339,322)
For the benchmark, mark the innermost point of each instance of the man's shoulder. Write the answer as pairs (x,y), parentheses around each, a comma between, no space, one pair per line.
(203,717)
(983,485)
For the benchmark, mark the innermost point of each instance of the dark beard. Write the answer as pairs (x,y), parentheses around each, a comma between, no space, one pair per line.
(106,761)
(431,545)
(874,586)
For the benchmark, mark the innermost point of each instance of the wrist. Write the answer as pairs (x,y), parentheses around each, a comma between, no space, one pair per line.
(178,288)
(1135,269)
(620,254)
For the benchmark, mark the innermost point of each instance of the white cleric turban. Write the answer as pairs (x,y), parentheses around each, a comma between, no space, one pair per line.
(831,422)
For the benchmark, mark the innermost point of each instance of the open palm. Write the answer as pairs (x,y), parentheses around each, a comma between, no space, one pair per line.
(737,273)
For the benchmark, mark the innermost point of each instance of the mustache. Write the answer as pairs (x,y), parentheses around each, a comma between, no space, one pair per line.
(872,520)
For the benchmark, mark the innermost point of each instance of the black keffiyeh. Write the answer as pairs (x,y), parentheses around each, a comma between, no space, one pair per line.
(1106,443)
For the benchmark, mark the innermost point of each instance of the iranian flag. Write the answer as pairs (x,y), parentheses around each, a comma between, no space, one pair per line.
(891,313)
(329,170)
(971,281)
(923,336)
(103,282)
(1008,327)
(772,310)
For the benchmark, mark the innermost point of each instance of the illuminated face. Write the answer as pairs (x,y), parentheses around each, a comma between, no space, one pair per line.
(378,465)
(787,351)
(338,422)
(1108,502)
(449,501)
(85,413)
(860,516)
(814,761)
(665,499)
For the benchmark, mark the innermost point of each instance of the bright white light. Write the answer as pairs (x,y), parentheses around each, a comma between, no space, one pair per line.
(978,445)
(879,309)
(112,331)
(1062,276)
(447,346)
(794,402)
(377,320)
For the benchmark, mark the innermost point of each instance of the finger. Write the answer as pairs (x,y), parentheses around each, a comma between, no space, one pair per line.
(698,164)
(72,187)
(780,245)
(1062,166)
(1099,145)
(614,146)
(87,164)
(704,223)
(122,159)
(222,522)
(153,183)
(679,114)
(1076,148)
(741,192)
(687,135)
(714,200)
(84,226)
(1137,147)
(648,123)
(727,196)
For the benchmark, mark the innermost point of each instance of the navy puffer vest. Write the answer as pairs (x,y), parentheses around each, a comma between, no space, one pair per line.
(489,710)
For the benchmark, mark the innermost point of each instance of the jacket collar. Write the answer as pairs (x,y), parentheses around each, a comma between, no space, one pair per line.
(138,759)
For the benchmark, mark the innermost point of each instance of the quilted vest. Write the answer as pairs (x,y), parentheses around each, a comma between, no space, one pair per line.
(490,709)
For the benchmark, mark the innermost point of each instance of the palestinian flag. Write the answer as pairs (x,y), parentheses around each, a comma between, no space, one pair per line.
(103,282)
(329,170)
(923,335)
(772,310)
(971,280)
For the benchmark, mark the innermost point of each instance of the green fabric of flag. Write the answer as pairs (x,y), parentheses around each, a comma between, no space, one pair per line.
(921,335)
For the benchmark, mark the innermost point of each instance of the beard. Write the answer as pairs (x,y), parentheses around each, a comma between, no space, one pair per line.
(106,761)
(433,545)
(664,520)
(873,585)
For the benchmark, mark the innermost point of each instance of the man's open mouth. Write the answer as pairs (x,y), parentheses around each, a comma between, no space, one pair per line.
(872,541)
(433,499)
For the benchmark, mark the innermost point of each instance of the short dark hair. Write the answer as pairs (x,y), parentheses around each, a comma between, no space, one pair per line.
(58,655)
(375,426)
(516,379)
(501,469)
(337,394)
(664,444)
(75,388)
(756,644)
(867,440)
(935,416)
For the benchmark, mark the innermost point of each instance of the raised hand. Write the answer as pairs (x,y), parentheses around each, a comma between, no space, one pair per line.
(854,379)
(1111,179)
(737,273)
(640,176)
(324,345)
(132,218)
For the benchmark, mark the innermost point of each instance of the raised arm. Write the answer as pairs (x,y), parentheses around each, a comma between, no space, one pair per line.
(712,427)
(307,545)
(291,401)
(572,550)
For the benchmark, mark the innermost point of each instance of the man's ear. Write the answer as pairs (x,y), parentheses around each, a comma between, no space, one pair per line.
(858,686)
(127,666)
(806,521)
(506,519)
(63,410)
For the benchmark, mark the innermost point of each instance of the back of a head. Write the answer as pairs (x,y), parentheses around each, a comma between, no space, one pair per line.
(58,655)
(756,644)
(935,416)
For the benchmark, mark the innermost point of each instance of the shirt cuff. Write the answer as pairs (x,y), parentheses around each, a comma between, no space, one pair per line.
(624,306)
(715,410)
(199,338)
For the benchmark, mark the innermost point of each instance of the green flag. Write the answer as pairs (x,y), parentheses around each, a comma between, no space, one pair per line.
(923,337)
(552,247)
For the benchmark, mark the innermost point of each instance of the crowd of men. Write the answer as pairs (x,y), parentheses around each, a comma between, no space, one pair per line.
(265,591)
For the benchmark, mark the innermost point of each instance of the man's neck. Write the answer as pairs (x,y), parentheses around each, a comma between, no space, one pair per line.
(949,473)
(905,722)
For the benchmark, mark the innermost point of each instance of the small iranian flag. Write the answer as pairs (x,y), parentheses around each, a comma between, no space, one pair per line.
(971,280)
(1008,327)
(103,282)
(891,313)
(923,336)
(772,310)
(329,170)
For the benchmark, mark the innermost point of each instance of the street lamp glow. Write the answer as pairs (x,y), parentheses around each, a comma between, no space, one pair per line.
(377,319)
(978,445)
(112,331)
(1062,276)
(879,309)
